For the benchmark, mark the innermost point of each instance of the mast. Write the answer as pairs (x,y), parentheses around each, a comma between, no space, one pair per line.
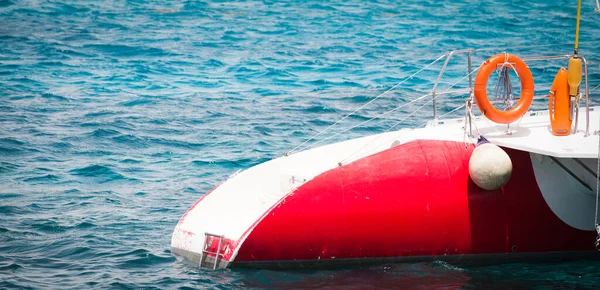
(574,67)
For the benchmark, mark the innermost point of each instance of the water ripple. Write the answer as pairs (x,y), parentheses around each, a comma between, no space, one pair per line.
(100,172)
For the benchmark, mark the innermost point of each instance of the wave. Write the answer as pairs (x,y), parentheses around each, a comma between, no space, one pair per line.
(229,164)
(120,50)
(141,258)
(104,133)
(7,167)
(100,172)
(139,102)
(42,179)
(54,97)
(12,210)
(11,141)
(12,267)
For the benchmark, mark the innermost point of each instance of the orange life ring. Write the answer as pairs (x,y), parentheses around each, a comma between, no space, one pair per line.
(484,104)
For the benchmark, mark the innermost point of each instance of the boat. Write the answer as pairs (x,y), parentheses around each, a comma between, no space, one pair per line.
(506,184)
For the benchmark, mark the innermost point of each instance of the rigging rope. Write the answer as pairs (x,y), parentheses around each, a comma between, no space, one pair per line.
(453,110)
(382,94)
(577,28)
(373,118)
(402,120)
(445,114)
(366,104)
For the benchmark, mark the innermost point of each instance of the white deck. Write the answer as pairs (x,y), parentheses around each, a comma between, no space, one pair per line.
(533,134)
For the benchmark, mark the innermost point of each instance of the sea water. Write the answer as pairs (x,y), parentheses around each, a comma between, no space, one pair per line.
(116,116)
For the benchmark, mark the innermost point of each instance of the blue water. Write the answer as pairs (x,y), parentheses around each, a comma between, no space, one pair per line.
(116,116)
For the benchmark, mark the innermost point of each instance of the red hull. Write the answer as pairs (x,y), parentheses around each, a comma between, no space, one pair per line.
(412,200)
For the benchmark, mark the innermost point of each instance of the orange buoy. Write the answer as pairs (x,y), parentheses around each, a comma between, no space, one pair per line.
(560,104)
(484,104)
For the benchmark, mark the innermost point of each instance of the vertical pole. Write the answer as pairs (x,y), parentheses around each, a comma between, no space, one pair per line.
(587,98)
(470,74)
(217,254)
(574,69)
(434,106)
(470,101)
(448,56)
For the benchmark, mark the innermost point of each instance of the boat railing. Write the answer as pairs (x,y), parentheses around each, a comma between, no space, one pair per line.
(443,70)
(469,53)
(435,93)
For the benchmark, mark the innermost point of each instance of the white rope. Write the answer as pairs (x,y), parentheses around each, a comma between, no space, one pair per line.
(493,126)
(373,118)
(398,123)
(366,104)
(442,116)
(372,141)
(509,64)
(453,110)
(402,120)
